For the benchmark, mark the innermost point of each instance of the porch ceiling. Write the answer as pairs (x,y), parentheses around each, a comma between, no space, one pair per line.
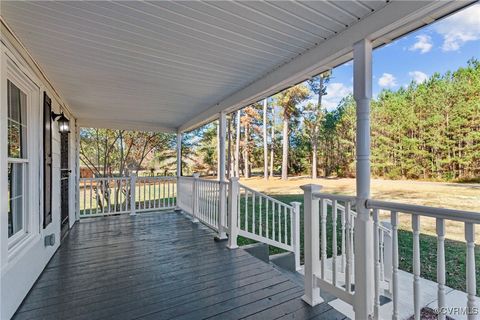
(169,65)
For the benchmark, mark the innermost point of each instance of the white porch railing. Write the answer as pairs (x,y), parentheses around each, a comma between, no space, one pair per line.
(116,195)
(330,260)
(391,209)
(201,199)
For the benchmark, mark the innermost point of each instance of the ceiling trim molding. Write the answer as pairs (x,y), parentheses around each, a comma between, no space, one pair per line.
(125,125)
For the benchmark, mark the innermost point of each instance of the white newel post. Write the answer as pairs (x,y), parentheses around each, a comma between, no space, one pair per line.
(195,197)
(296,233)
(222,212)
(179,154)
(311,244)
(364,262)
(133,182)
(233,213)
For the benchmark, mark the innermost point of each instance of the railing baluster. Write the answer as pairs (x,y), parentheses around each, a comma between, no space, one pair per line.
(376,251)
(273,221)
(285,225)
(342,221)
(323,247)
(254,226)
(348,266)
(91,195)
(334,243)
(440,226)
(260,231)
(470,269)
(381,249)
(394,221)
(416,266)
(246,210)
(267,218)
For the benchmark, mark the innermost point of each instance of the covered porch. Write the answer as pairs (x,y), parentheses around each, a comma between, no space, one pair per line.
(142,247)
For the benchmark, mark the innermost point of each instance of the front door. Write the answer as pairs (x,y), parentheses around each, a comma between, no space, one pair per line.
(64,182)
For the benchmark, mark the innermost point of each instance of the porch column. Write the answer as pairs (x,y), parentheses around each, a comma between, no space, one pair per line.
(364,262)
(179,154)
(222,213)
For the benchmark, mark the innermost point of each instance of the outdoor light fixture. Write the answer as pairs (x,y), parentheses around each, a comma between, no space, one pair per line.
(63,122)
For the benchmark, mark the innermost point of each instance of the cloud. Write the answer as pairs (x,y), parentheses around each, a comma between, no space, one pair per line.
(460,28)
(387,80)
(418,76)
(336,91)
(424,44)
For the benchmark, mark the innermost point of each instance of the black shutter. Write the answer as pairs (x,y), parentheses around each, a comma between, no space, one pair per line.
(47,160)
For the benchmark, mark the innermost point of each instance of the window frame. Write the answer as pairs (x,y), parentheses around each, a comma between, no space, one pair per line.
(30,162)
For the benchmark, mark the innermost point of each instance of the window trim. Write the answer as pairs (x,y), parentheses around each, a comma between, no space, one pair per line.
(31,163)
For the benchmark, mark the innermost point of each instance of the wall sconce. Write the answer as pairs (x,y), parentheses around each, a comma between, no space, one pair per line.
(63,122)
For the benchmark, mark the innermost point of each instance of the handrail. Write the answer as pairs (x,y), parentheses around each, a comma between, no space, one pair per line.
(264,196)
(443,213)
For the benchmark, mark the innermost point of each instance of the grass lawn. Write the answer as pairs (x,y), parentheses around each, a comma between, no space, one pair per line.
(455,251)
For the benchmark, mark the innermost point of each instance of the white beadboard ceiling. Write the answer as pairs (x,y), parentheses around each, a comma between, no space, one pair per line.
(171,64)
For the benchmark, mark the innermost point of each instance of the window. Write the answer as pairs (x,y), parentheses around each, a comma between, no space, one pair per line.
(17,162)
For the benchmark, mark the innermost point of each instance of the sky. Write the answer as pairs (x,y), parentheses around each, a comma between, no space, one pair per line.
(441,46)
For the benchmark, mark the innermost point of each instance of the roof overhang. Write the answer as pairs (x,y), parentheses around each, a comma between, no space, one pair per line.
(173,66)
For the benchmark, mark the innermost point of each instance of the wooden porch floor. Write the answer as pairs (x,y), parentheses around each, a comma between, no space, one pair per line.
(160,266)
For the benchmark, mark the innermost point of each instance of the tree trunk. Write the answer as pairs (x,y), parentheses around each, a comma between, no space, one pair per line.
(237,146)
(265,146)
(285,149)
(314,160)
(245,153)
(272,142)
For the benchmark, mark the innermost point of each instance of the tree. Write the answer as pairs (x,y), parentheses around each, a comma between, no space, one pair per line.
(315,115)
(248,122)
(265,145)
(288,101)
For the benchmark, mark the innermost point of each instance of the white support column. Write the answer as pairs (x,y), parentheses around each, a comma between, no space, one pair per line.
(311,244)
(77,173)
(265,145)
(222,212)
(233,213)
(133,182)
(195,197)
(296,233)
(364,262)
(179,154)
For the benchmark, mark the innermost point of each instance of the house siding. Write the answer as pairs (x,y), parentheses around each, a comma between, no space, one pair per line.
(20,270)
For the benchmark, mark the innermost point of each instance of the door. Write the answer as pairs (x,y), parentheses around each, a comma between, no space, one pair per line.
(64,182)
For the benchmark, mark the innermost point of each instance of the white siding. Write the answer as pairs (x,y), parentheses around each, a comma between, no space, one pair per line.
(20,271)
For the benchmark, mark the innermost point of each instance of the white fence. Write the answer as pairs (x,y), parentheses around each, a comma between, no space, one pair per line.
(116,195)
(330,254)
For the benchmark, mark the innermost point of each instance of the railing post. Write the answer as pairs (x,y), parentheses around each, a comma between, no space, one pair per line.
(233,213)
(296,233)
(195,197)
(133,205)
(311,244)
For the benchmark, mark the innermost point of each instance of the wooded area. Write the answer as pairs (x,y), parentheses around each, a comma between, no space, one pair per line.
(428,130)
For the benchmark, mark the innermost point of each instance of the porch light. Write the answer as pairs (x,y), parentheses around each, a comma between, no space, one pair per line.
(63,122)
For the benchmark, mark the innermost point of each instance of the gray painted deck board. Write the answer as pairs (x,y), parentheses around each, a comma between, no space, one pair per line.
(160,266)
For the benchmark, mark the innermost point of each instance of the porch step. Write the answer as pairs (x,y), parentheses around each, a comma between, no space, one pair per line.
(284,260)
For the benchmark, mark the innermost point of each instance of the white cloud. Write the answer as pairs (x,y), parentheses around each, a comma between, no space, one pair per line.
(336,91)
(418,76)
(387,80)
(460,28)
(424,44)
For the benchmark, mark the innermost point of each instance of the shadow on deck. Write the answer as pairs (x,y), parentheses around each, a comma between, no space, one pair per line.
(160,266)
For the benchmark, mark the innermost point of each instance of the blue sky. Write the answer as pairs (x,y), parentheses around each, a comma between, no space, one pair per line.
(441,46)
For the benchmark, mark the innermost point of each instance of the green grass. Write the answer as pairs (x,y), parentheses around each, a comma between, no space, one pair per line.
(455,251)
